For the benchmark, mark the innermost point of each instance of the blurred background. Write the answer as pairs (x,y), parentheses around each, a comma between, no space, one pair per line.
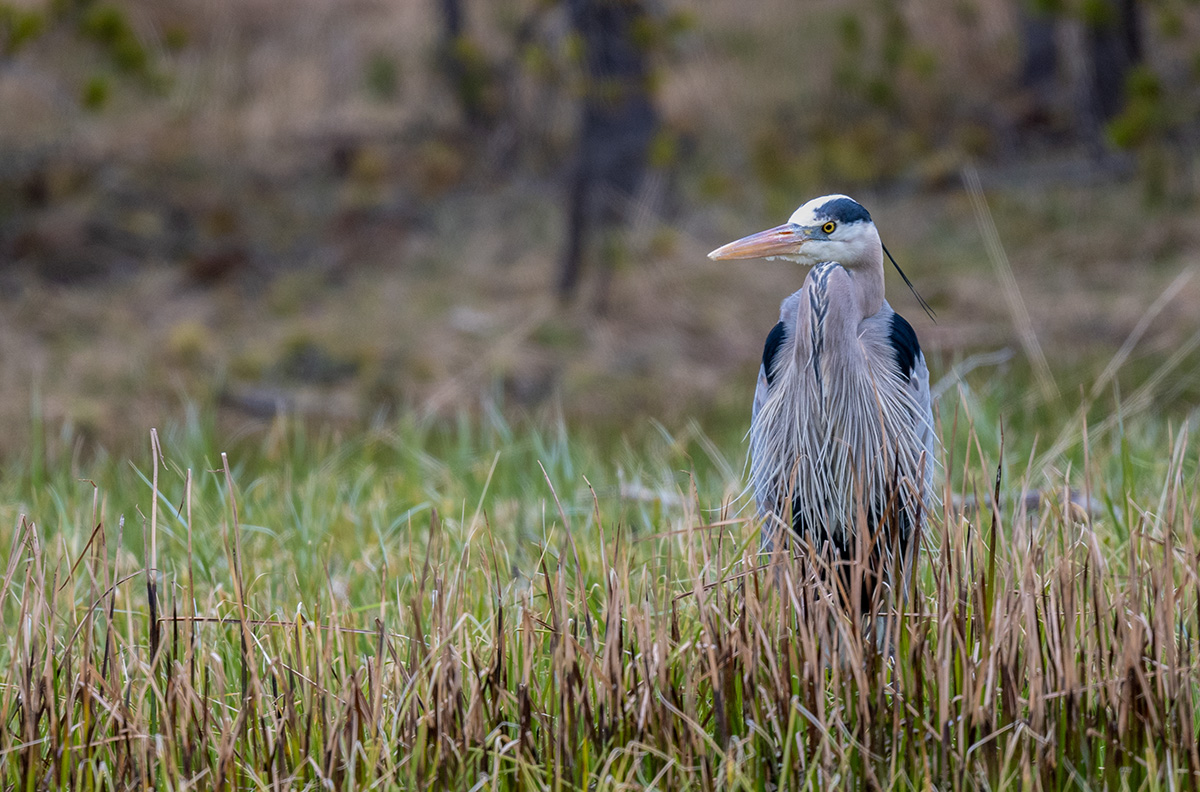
(357,210)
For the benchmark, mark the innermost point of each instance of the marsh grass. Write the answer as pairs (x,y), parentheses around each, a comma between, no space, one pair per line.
(494,607)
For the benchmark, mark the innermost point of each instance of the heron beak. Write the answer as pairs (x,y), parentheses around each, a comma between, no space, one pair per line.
(779,241)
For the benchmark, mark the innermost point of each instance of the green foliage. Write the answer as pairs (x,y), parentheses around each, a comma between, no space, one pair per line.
(176,37)
(850,33)
(1098,14)
(657,33)
(108,25)
(557,333)
(18,27)
(474,79)
(1171,23)
(1145,116)
(382,77)
(1047,7)
(895,36)
(96,92)
(664,149)
(679,22)
(537,62)
(880,92)
(867,129)
(574,48)
(104,24)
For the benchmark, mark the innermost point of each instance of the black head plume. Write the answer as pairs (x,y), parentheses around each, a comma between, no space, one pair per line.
(928,311)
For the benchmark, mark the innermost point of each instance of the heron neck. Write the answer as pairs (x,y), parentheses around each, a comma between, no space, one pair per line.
(868,285)
(829,310)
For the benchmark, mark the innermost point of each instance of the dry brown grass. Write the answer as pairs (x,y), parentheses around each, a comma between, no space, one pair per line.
(1044,650)
(629,641)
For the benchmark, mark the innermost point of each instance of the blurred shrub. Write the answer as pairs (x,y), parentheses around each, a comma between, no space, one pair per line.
(18,26)
(664,149)
(873,120)
(108,26)
(289,293)
(96,92)
(382,77)
(1098,13)
(538,62)
(189,342)
(440,167)
(1145,115)
(559,333)
(475,83)
(103,24)
(306,360)
(176,37)
(1147,125)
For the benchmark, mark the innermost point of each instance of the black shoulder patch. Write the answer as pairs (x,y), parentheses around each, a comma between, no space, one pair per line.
(844,210)
(904,345)
(774,342)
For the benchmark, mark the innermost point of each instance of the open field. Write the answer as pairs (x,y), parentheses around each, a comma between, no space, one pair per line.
(444,322)
(414,523)
(263,231)
(504,607)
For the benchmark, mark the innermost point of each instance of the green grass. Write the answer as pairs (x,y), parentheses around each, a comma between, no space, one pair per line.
(508,606)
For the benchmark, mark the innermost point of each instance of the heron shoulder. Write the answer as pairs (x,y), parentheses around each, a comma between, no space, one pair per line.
(780,333)
(905,347)
(771,350)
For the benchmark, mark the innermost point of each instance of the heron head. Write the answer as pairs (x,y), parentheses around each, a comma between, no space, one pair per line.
(829,228)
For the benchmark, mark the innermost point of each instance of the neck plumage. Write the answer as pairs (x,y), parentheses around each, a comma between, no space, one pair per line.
(859,289)
(834,302)
(868,280)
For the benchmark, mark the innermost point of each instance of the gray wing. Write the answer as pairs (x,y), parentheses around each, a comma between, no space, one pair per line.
(911,362)
(766,372)
(774,351)
(918,384)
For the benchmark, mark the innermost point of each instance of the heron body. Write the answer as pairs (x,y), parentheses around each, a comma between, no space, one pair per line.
(841,433)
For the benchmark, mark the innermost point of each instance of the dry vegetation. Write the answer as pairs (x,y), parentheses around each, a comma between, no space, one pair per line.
(423,608)
(380,597)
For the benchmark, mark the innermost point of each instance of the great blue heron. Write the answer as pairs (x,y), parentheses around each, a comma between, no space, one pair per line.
(841,434)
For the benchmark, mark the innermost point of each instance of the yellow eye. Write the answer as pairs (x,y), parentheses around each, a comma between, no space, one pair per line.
(829,227)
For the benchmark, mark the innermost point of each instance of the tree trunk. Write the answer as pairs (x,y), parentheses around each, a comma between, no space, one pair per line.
(1113,48)
(468,76)
(617,123)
